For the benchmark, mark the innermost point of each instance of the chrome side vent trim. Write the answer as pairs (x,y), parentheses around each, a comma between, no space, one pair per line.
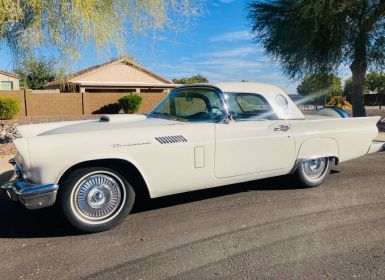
(171,139)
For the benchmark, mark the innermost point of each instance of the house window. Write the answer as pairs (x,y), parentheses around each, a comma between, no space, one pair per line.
(7,85)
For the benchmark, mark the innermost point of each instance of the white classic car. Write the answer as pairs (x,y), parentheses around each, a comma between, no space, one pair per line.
(199,136)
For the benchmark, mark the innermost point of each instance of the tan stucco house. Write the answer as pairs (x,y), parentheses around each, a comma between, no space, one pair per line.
(115,76)
(9,81)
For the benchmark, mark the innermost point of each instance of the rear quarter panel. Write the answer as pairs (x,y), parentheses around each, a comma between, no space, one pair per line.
(350,137)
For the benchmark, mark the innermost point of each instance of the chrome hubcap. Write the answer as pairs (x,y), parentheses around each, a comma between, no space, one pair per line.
(97,197)
(315,168)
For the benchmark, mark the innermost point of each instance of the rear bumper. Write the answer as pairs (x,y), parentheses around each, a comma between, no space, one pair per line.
(32,196)
(376,146)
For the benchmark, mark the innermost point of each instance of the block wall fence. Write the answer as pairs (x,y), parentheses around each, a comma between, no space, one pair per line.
(53,104)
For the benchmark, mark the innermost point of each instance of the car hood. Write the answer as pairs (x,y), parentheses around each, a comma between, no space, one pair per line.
(107,122)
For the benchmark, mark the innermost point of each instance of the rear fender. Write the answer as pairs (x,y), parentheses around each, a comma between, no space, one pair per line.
(318,147)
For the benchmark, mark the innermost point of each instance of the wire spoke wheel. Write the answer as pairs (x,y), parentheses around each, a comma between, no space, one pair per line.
(98,197)
(314,169)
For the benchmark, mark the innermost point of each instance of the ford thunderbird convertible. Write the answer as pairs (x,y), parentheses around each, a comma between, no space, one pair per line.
(200,136)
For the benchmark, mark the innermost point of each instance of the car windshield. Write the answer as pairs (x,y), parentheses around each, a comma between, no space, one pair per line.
(190,104)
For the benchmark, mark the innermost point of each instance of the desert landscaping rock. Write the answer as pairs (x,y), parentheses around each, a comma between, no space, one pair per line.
(8,132)
(7,149)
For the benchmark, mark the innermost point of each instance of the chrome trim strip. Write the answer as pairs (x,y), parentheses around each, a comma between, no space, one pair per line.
(170,139)
(382,149)
(18,171)
(376,147)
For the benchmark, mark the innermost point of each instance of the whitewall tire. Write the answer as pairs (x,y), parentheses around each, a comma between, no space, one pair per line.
(313,172)
(95,199)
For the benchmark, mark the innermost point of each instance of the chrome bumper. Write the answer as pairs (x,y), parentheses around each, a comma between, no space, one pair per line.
(32,196)
(376,147)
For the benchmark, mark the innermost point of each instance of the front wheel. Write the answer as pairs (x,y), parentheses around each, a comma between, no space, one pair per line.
(313,172)
(95,199)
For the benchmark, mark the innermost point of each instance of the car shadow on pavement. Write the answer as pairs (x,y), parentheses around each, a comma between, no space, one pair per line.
(269,184)
(18,222)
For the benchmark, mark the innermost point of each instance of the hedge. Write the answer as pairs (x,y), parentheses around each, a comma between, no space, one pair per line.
(9,108)
(130,103)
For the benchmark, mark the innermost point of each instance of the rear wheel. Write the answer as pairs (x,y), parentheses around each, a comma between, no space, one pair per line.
(95,199)
(313,172)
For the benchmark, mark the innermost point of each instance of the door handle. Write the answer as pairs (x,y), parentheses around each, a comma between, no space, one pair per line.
(282,128)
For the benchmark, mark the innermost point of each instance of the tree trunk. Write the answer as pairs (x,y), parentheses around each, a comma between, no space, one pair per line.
(381,98)
(358,69)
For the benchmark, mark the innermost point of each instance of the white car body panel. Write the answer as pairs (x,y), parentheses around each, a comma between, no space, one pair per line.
(248,147)
(353,136)
(213,154)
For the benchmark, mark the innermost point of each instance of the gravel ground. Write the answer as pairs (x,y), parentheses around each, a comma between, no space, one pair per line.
(8,129)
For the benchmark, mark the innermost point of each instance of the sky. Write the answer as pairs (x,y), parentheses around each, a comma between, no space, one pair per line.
(217,45)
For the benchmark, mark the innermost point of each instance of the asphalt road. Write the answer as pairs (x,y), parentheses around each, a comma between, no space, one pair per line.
(267,229)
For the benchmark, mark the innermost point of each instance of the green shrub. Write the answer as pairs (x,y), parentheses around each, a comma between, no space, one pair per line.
(9,108)
(130,103)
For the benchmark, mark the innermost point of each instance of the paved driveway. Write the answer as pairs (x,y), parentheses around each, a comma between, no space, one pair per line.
(267,229)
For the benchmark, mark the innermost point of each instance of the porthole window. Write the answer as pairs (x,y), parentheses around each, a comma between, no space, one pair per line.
(281,101)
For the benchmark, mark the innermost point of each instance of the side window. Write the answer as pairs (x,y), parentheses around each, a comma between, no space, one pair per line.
(248,106)
(251,103)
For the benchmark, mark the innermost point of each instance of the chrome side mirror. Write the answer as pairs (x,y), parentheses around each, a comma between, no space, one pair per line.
(227,119)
